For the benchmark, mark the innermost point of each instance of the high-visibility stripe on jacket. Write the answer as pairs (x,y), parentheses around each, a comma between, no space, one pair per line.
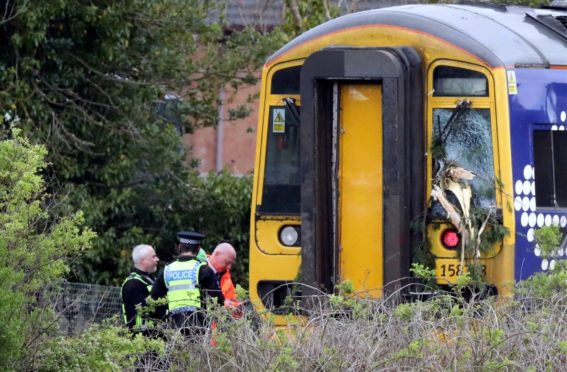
(139,322)
(182,281)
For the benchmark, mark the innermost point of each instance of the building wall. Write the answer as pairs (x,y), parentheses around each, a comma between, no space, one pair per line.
(237,138)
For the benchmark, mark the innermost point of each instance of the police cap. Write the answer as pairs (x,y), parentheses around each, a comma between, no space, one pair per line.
(190,237)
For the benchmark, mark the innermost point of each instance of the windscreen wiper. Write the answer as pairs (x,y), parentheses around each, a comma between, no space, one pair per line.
(292,107)
(460,109)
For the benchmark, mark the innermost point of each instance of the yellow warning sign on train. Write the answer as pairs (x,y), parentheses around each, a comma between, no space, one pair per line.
(512,86)
(278,121)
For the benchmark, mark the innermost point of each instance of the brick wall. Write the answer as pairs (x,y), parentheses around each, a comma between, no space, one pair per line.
(236,139)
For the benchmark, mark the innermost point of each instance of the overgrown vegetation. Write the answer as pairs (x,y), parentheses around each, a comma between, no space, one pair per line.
(34,253)
(85,79)
(221,210)
(548,241)
(443,332)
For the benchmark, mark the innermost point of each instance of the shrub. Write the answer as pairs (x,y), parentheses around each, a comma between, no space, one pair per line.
(221,210)
(99,348)
(33,252)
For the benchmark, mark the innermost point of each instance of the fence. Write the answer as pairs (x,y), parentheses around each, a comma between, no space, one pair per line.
(79,305)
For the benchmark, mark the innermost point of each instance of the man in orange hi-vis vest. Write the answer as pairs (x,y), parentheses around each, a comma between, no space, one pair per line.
(220,261)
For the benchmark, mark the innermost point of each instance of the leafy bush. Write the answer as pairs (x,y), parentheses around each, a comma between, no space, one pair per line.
(545,285)
(548,239)
(221,210)
(85,78)
(99,348)
(217,205)
(34,250)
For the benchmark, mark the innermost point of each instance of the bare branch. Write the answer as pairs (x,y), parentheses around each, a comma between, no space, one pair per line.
(294,9)
(8,15)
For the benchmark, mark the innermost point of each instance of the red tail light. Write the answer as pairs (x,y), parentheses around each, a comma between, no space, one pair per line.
(450,238)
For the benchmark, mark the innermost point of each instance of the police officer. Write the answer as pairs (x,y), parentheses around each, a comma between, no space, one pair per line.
(136,288)
(186,283)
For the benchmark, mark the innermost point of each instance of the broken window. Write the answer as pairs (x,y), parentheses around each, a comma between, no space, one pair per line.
(550,152)
(463,136)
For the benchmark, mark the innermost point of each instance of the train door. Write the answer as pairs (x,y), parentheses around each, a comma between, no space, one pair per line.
(362,164)
(359,187)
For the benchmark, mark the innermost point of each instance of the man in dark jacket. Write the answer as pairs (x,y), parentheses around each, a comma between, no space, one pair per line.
(186,283)
(136,288)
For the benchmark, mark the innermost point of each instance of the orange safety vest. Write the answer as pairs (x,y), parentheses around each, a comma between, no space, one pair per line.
(227,287)
(229,292)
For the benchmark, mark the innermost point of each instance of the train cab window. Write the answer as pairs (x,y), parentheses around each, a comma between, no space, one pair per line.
(458,82)
(286,81)
(464,138)
(281,192)
(550,152)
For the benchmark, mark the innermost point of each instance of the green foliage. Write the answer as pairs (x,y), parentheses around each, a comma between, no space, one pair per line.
(99,348)
(286,360)
(548,239)
(545,284)
(411,351)
(464,279)
(220,208)
(217,205)
(345,303)
(33,252)
(241,292)
(86,78)
(404,311)
(532,3)
(495,336)
(345,288)
(493,231)
(422,271)
(421,252)
(431,335)
(339,302)
(302,15)
(437,149)
(427,274)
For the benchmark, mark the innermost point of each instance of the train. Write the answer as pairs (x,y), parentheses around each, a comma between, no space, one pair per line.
(425,134)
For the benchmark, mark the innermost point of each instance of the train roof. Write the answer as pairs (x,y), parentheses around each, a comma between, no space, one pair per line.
(497,34)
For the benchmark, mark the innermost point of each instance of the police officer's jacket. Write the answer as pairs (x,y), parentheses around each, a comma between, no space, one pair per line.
(135,289)
(189,282)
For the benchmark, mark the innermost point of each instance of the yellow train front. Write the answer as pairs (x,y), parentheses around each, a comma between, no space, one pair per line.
(409,134)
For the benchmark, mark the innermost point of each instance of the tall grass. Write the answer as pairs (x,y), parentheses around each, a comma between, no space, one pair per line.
(443,333)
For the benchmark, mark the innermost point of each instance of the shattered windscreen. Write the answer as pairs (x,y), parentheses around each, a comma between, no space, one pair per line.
(464,138)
